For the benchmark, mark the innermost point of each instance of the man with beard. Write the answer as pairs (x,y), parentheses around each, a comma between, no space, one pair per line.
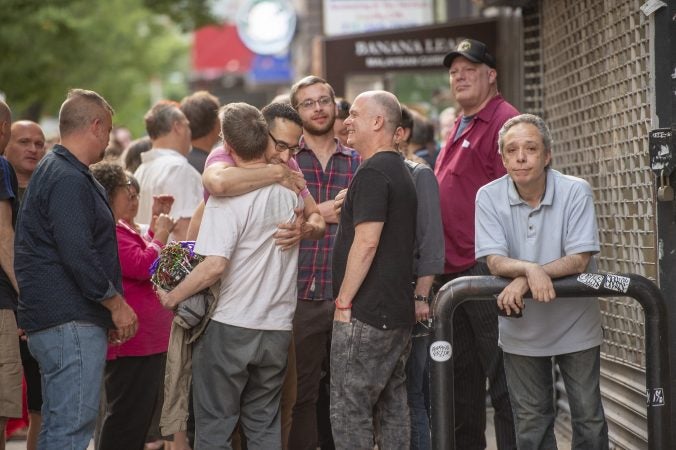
(328,167)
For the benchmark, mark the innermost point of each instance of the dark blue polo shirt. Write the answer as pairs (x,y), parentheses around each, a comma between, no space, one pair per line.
(65,248)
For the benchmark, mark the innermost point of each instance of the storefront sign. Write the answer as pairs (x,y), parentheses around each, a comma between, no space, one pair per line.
(407,49)
(358,16)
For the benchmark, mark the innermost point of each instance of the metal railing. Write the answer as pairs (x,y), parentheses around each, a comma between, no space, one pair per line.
(643,290)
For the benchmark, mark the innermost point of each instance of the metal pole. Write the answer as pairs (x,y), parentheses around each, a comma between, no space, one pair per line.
(584,285)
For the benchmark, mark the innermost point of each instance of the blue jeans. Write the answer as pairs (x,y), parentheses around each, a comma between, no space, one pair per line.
(531,388)
(415,382)
(71,357)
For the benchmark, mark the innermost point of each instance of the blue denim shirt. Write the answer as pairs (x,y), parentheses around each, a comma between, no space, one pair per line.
(65,248)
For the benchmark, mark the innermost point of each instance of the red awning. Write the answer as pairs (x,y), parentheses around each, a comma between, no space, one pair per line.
(218,50)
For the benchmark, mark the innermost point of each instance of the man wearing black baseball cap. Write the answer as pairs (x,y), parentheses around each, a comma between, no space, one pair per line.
(469,160)
(473,50)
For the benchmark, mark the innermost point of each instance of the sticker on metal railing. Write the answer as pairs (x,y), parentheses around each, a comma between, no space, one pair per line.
(655,397)
(593,280)
(440,351)
(616,282)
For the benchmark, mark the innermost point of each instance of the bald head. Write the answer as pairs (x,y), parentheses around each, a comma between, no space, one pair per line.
(25,149)
(372,123)
(5,125)
(386,104)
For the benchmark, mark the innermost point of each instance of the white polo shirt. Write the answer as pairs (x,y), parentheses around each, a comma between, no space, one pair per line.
(563,224)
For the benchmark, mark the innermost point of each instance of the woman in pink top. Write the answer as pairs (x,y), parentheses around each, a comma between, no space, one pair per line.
(135,370)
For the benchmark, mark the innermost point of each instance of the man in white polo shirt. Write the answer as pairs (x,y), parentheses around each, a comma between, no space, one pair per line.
(534,225)
(165,170)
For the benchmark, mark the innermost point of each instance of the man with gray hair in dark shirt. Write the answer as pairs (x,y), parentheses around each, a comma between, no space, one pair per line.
(69,275)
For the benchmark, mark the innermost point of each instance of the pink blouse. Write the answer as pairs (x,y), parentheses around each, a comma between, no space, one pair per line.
(136,255)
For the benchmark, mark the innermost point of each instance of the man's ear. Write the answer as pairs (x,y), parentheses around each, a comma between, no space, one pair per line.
(378,122)
(176,126)
(399,136)
(492,76)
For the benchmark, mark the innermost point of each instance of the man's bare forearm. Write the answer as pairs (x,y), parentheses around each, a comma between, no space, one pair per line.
(315,227)
(513,268)
(359,259)
(326,209)
(423,285)
(203,275)
(230,181)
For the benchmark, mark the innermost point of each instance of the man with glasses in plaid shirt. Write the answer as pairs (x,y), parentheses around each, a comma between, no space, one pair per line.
(328,167)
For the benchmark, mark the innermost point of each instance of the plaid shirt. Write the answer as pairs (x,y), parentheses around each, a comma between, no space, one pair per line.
(314,259)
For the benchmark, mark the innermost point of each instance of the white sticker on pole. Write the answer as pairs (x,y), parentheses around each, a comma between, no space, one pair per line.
(440,351)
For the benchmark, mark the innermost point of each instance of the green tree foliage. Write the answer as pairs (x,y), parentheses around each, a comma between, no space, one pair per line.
(115,47)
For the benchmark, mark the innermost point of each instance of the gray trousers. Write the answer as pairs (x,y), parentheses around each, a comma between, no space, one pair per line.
(238,375)
(368,386)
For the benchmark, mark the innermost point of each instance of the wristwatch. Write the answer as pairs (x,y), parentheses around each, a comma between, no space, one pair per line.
(421,298)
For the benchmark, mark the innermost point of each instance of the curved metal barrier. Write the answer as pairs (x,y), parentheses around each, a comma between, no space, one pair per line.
(583,285)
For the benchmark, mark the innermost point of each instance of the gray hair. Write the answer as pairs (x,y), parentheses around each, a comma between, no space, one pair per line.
(162,117)
(532,119)
(390,107)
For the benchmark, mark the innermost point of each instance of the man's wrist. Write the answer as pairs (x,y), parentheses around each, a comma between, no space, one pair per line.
(278,172)
(421,298)
(341,306)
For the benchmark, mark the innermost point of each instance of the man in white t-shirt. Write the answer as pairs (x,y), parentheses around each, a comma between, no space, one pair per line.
(165,169)
(240,362)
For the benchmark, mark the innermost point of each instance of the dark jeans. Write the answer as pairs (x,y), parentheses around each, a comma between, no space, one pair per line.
(416,380)
(477,357)
(132,386)
(531,390)
(312,324)
(238,375)
(368,384)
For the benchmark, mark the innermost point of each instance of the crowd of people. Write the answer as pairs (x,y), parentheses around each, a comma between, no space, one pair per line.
(325,228)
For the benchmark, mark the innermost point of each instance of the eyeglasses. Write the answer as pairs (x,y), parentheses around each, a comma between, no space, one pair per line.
(131,192)
(309,103)
(283,146)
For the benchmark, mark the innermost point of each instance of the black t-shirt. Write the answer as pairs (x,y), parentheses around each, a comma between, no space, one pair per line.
(8,191)
(382,190)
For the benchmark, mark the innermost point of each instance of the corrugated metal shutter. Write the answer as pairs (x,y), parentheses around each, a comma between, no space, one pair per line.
(595,77)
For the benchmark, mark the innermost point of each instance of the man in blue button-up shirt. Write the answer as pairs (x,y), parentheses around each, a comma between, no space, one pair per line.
(69,275)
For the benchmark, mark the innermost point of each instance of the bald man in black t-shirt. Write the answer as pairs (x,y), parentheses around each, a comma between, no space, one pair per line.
(372,273)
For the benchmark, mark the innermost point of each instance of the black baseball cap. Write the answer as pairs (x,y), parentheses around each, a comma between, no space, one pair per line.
(473,50)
